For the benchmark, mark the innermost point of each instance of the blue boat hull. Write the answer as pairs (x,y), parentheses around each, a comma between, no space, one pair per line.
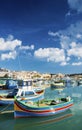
(22,110)
(5,101)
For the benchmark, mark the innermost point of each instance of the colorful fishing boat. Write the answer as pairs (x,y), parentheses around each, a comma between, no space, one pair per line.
(42,108)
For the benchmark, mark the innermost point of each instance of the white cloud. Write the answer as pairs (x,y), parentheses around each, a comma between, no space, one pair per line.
(70,40)
(10,55)
(75,5)
(10,37)
(79,36)
(70,34)
(27,47)
(73,45)
(75,50)
(64,42)
(77,63)
(51,54)
(53,34)
(64,63)
(68,58)
(42,53)
(10,48)
(8,45)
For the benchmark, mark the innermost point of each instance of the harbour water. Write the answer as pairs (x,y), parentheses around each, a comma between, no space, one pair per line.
(69,120)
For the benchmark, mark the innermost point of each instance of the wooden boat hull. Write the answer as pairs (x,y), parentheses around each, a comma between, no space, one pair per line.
(22,110)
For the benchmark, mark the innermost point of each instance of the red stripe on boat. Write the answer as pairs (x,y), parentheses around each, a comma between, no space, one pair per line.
(43,111)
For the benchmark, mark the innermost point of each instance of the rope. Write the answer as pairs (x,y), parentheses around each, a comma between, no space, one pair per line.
(4,108)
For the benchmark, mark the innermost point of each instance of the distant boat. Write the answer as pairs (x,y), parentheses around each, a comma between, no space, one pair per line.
(57,84)
(73,82)
(41,83)
(43,108)
(79,82)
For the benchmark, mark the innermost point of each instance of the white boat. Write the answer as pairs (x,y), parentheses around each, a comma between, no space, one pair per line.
(57,84)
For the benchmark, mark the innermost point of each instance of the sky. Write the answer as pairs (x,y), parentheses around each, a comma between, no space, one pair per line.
(41,35)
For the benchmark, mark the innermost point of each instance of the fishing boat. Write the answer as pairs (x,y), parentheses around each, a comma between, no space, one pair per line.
(42,108)
(40,83)
(7,85)
(24,93)
(47,121)
(57,84)
(79,82)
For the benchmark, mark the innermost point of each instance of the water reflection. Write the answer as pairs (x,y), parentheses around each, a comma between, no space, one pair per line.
(69,120)
(41,121)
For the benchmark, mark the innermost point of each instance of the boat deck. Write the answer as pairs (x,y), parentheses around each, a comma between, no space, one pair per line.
(44,103)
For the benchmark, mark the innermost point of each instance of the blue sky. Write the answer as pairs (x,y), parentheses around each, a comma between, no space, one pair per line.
(41,35)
